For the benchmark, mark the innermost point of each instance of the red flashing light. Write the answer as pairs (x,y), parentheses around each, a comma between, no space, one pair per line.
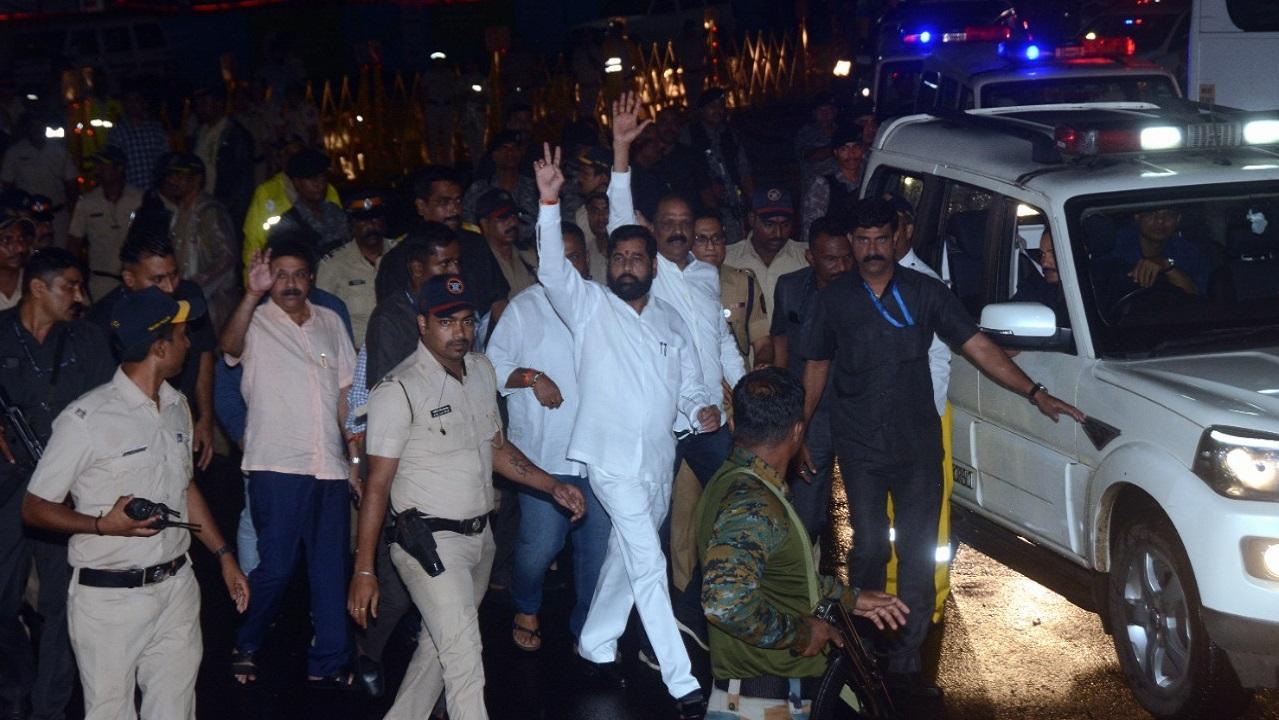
(1099,47)
(992,33)
(1093,142)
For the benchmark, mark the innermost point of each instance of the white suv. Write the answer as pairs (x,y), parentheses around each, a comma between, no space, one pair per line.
(1166,506)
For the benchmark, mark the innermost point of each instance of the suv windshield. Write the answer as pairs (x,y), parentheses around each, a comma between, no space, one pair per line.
(1179,272)
(1116,88)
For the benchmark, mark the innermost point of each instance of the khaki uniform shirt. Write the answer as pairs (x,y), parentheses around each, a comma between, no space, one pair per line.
(114,441)
(441,430)
(104,225)
(789,259)
(747,317)
(346,273)
(516,270)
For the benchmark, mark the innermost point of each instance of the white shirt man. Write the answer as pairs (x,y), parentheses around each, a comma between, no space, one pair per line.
(637,371)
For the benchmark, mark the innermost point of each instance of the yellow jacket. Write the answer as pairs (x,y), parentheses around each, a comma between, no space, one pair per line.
(270,201)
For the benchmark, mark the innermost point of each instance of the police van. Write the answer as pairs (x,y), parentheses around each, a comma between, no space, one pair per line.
(1129,254)
(1096,69)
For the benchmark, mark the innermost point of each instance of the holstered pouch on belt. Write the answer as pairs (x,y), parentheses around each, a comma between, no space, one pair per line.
(414,535)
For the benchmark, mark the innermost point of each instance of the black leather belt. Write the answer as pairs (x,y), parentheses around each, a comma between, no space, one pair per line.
(132,578)
(772,687)
(470,526)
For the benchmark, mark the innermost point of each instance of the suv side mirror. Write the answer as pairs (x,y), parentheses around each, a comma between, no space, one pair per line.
(1024,326)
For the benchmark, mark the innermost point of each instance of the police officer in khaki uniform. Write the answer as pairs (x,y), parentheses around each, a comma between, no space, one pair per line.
(350,270)
(133,605)
(434,439)
(739,290)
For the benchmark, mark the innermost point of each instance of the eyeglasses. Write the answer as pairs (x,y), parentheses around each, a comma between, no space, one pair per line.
(715,239)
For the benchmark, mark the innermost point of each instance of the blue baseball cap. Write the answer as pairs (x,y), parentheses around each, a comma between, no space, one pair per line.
(444,295)
(139,317)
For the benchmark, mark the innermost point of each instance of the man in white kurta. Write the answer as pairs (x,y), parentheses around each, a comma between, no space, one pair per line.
(637,370)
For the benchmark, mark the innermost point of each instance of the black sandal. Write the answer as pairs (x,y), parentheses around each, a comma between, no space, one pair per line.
(243,666)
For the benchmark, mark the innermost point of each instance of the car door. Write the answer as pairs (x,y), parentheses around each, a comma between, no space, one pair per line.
(1027,465)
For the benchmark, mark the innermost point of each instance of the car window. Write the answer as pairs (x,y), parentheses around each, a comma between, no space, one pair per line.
(966,214)
(1217,293)
(908,186)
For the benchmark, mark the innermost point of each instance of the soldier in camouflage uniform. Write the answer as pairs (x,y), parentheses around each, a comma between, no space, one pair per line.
(759,584)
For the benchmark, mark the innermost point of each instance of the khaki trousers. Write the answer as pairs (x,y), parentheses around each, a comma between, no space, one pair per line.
(448,653)
(148,637)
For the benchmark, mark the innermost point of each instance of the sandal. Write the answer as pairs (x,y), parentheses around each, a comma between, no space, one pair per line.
(533,637)
(342,680)
(243,667)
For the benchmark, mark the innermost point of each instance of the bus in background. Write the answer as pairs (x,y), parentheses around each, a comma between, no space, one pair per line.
(1233,47)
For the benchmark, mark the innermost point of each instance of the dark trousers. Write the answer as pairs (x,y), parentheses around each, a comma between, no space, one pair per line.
(812,500)
(393,603)
(506,533)
(297,514)
(49,682)
(705,454)
(916,493)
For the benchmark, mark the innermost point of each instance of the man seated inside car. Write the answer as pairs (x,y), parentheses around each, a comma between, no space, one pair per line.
(1156,249)
(1045,288)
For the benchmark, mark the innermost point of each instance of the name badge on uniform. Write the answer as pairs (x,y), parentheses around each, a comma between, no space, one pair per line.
(182,438)
(441,410)
(353,283)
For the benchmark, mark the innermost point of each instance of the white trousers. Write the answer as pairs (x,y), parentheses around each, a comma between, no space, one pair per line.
(634,575)
(147,637)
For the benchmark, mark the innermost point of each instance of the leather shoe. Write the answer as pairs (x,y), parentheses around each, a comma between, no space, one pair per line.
(369,671)
(912,686)
(605,676)
(691,707)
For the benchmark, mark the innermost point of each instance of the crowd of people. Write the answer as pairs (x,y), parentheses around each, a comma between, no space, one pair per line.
(624,342)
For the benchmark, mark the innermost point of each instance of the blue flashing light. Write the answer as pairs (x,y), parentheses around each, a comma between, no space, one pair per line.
(1032,52)
(1128,21)
(925,37)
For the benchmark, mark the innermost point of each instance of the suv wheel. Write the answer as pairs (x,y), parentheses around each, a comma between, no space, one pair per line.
(1171,665)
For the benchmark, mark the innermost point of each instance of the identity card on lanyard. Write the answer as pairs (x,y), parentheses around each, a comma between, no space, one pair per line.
(909,321)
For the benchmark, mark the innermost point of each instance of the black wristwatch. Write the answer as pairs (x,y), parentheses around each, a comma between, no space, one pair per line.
(224,550)
(1034,389)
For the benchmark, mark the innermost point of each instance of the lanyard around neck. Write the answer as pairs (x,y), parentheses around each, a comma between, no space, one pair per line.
(897,296)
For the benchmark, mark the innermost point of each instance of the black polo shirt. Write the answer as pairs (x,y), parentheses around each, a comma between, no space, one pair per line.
(883,411)
(27,372)
(199,332)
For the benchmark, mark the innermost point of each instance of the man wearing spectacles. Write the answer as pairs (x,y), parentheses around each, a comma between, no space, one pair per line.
(744,304)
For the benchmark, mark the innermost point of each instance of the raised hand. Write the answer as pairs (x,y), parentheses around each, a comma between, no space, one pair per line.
(550,178)
(260,279)
(626,122)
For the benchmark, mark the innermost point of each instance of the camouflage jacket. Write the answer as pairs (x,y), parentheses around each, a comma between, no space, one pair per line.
(750,527)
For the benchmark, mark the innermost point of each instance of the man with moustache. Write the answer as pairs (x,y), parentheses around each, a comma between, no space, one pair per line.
(437,197)
(434,440)
(691,287)
(829,255)
(745,306)
(48,358)
(496,214)
(349,271)
(769,251)
(298,363)
(875,326)
(638,371)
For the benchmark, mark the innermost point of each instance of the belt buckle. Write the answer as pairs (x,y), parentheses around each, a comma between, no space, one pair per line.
(471,526)
(157,574)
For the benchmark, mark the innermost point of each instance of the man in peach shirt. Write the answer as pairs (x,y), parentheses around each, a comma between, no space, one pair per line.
(298,363)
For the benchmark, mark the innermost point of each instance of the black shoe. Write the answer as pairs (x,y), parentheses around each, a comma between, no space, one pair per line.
(369,672)
(605,676)
(912,686)
(691,707)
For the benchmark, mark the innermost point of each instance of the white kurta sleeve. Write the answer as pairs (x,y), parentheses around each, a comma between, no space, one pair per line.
(621,204)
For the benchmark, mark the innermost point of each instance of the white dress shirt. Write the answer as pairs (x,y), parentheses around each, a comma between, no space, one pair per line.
(531,335)
(938,352)
(636,371)
(694,293)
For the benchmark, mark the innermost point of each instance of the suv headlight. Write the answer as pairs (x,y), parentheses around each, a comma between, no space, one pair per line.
(1239,463)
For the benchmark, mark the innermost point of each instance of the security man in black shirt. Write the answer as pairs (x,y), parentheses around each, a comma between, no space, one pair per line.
(875,326)
(47,359)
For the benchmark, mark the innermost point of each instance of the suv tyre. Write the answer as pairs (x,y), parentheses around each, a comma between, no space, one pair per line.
(1173,668)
